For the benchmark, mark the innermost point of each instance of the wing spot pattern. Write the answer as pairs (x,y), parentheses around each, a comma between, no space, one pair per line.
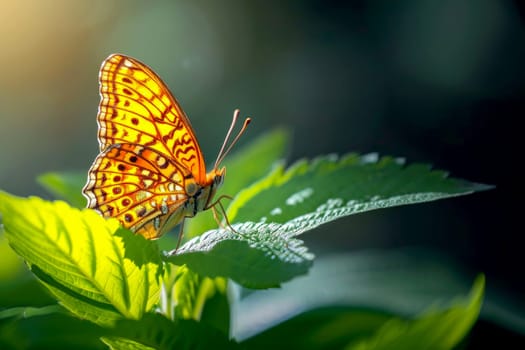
(139,176)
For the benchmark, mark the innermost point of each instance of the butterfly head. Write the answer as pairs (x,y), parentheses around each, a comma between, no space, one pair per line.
(215,178)
(218,177)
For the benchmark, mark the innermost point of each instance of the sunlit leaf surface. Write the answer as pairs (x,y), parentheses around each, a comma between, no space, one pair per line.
(96,269)
(262,249)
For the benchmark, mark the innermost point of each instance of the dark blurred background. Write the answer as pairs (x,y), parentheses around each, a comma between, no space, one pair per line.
(439,82)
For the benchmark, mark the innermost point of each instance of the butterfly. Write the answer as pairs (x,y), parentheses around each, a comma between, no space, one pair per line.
(150,172)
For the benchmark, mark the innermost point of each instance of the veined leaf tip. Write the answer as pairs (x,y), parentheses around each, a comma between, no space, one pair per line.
(485,187)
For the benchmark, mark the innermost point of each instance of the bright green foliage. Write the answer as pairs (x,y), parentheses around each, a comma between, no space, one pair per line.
(96,269)
(434,329)
(354,328)
(11,264)
(157,332)
(308,194)
(190,293)
(311,193)
(257,256)
(130,296)
(215,310)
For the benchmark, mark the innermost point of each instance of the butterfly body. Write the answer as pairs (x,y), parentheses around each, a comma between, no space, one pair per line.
(150,171)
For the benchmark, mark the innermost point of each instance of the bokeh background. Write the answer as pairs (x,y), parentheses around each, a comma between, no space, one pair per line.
(439,82)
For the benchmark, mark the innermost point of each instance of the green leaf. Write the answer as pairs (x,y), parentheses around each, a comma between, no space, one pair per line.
(154,331)
(434,329)
(322,328)
(11,267)
(243,167)
(287,203)
(47,328)
(401,282)
(187,295)
(66,186)
(216,309)
(309,194)
(256,256)
(364,328)
(201,299)
(117,343)
(185,302)
(53,328)
(95,268)
(21,312)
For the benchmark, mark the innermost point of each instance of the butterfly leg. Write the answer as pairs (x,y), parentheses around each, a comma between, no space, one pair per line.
(218,200)
(216,217)
(214,210)
(218,220)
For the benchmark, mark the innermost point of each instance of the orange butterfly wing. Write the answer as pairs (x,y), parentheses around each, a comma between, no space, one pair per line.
(138,186)
(149,153)
(137,107)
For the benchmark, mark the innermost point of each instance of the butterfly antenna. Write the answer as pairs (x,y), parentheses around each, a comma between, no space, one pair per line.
(224,151)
